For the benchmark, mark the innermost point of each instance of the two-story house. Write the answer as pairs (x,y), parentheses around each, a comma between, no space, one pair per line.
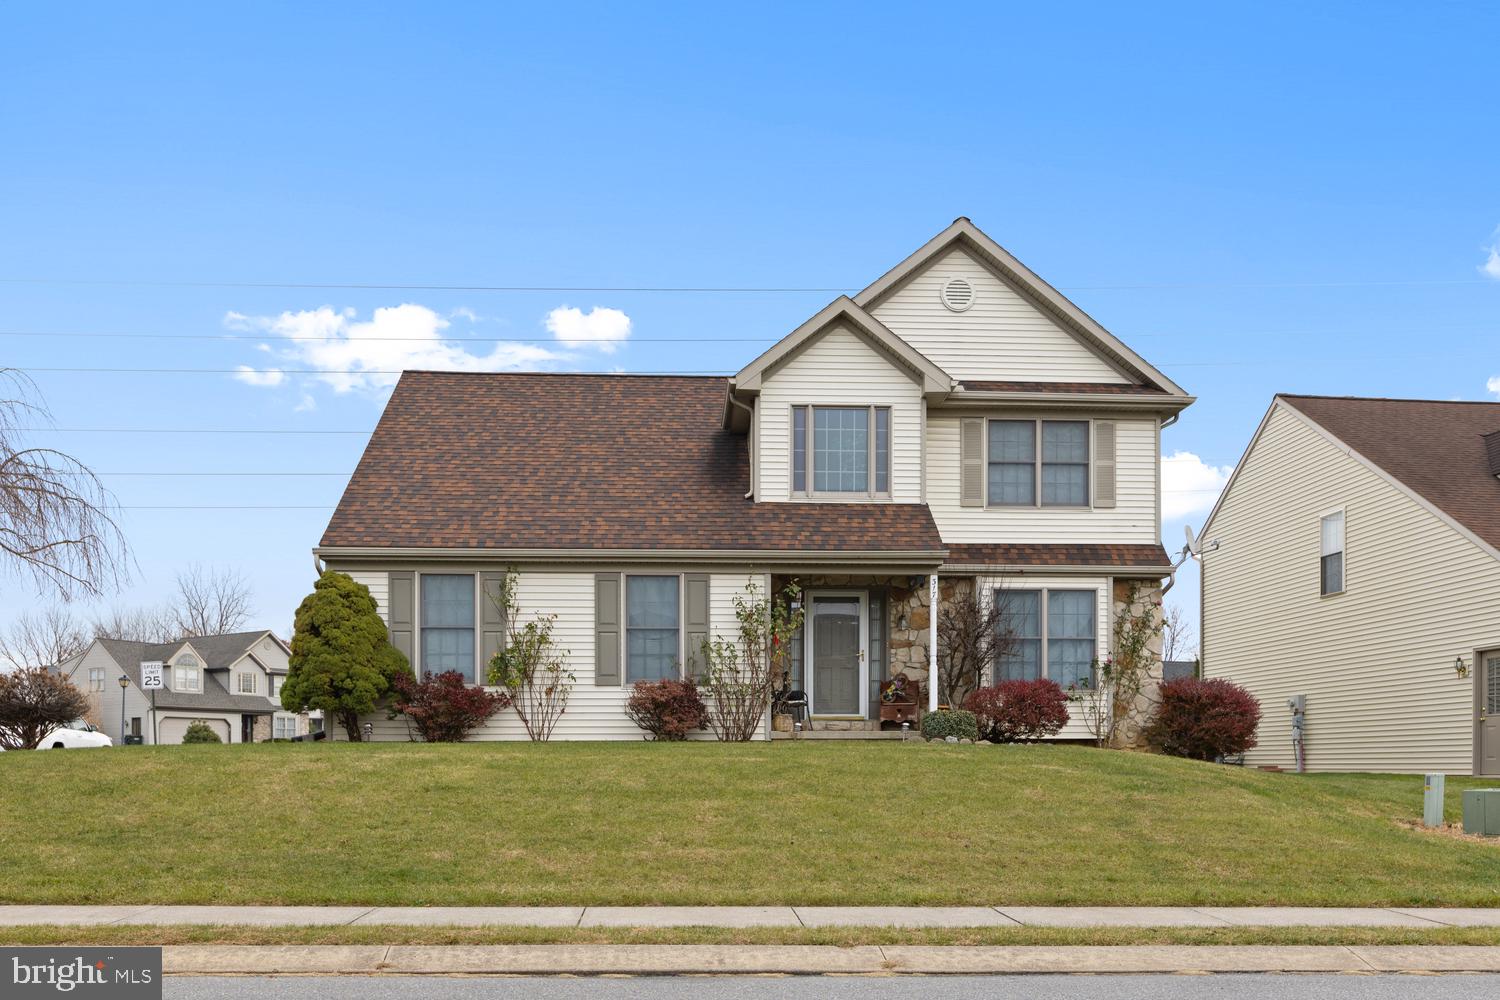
(231,683)
(958,420)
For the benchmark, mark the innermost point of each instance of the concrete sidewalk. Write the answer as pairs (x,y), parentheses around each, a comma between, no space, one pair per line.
(513,960)
(755,916)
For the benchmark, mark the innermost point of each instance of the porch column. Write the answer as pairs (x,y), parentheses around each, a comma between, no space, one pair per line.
(932,642)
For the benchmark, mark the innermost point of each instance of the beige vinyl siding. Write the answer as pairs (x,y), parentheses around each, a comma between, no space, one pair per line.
(1133,519)
(839,369)
(593,713)
(1076,729)
(380,588)
(1001,336)
(106,703)
(1375,662)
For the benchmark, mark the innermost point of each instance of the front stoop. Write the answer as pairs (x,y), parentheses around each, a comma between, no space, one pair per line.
(542,960)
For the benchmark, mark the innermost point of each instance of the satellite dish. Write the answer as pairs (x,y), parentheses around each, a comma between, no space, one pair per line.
(1192,541)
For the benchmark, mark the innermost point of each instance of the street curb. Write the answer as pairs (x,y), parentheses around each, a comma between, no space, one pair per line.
(598,960)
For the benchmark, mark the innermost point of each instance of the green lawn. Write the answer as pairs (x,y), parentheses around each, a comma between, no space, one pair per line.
(811,823)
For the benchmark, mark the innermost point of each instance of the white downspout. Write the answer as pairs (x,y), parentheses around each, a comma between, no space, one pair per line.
(932,642)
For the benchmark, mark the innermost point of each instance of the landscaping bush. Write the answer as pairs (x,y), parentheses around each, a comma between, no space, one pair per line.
(199,732)
(33,702)
(1019,711)
(668,710)
(444,708)
(1204,720)
(944,723)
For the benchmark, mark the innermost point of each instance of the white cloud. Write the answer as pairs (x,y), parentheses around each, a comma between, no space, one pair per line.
(259,376)
(1493,385)
(1189,485)
(1491,266)
(348,353)
(602,329)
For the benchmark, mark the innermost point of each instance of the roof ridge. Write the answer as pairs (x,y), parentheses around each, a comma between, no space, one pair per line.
(1387,399)
(598,375)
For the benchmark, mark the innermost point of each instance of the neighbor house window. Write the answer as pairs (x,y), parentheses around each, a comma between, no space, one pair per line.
(247,683)
(185,674)
(283,727)
(841,449)
(1047,633)
(1331,570)
(652,622)
(96,678)
(447,625)
(1023,454)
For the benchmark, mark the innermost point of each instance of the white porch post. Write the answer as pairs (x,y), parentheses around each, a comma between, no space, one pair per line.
(932,642)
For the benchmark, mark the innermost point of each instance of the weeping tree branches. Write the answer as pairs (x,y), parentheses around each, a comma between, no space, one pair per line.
(57,521)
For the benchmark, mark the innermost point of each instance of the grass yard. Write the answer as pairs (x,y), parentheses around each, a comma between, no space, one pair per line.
(811,823)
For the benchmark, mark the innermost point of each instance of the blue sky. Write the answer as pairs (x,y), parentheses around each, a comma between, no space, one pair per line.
(1277,197)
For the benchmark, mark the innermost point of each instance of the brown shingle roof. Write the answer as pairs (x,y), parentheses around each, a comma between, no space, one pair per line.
(540,461)
(1135,557)
(1103,388)
(1437,449)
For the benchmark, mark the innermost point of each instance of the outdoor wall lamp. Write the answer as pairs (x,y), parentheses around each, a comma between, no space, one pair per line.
(903,623)
(1460,667)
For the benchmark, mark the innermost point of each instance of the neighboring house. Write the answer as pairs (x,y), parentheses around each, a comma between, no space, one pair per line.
(958,418)
(232,683)
(1354,559)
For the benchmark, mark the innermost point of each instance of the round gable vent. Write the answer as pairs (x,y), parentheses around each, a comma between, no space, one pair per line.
(957,294)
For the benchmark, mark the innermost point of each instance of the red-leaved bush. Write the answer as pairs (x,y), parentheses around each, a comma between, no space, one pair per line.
(1019,711)
(668,710)
(444,708)
(1204,720)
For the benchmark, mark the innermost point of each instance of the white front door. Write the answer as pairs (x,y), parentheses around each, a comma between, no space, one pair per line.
(837,638)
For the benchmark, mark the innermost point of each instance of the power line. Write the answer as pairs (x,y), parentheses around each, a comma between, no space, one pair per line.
(174,430)
(233,338)
(349,372)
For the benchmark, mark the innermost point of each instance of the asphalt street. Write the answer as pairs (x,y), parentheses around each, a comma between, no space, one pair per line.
(1219,987)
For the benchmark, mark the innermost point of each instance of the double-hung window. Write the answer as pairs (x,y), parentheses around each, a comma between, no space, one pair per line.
(839,450)
(1047,633)
(96,678)
(246,682)
(1331,563)
(283,727)
(185,674)
(1038,463)
(447,626)
(653,618)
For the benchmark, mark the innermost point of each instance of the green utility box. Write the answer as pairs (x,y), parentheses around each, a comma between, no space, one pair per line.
(1482,811)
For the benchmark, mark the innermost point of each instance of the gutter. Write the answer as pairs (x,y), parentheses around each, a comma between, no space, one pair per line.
(1064,400)
(818,557)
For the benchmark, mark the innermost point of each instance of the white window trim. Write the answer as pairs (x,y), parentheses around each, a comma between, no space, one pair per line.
(1043,590)
(177,673)
(96,679)
(809,668)
(286,717)
(416,626)
(1036,493)
(808,455)
(681,577)
(1343,551)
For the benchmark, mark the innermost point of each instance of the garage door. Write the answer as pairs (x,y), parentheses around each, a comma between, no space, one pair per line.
(172,730)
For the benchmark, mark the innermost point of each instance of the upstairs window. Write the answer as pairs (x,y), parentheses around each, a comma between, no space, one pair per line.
(246,682)
(1025,453)
(1331,568)
(185,674)
(841,450)
(96,678)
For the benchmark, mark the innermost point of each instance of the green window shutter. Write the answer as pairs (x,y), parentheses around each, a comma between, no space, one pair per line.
(402,600)
(695,627)
(1104,463)
(491,621)
(971,463)
(607,629)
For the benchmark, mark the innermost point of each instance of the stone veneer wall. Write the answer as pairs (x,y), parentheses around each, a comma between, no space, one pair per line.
(1133,717)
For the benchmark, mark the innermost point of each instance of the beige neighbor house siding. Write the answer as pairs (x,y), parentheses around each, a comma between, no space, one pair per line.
(1375,662)
(839,368)
(1077,728)
(594,712)
(1133,519)
(106,703)
(1002,336)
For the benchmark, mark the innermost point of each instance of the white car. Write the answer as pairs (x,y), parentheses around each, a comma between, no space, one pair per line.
(76,735)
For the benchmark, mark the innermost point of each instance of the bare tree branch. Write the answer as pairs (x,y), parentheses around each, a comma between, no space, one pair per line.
(211,601)
(136,625)
(974,630)
(1178,640)
(57,523)
(43,638)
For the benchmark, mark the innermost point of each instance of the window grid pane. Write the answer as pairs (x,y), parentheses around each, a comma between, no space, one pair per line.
(1022,616)
(1333,573)
(841,443)
(1065,463)
(799,449)
(1012,463)
(651,619)
(882,450)
(1070,637)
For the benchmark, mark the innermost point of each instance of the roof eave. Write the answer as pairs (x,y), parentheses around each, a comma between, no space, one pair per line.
(1092,401)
